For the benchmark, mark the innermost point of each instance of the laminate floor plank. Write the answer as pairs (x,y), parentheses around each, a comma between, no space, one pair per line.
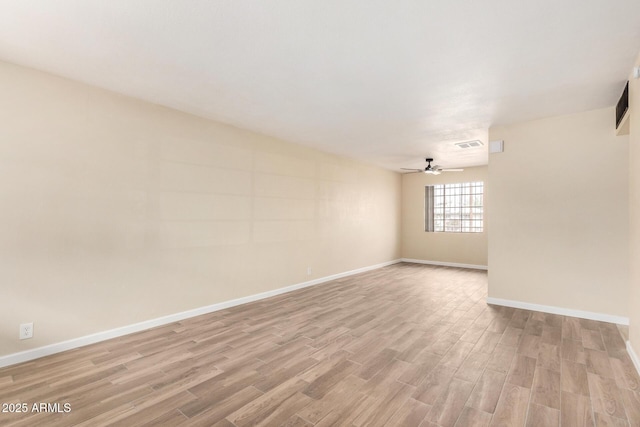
(599,363)
(605,396)
(470,417)
(574,378)
(286,410)
(434,385)
(294,421)
(519,319)
(417,372)
(609,421)
(576,411)
(542,416)
(551,335)
(473,366)
(501,358)
(319,387)
(486,392)
(529,345)
(338,397)
(522,371)
(404,345)
(410,414)
(573,350)
(632,406)
(625,373)
(397,394)
(511,336)
(261,408)
(613,342)
(446,410)
(512,406)
(549,357)
(593,340)
(201,413)
(546,388)
(571,329)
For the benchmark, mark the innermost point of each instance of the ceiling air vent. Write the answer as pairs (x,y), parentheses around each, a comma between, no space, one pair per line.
(470,144)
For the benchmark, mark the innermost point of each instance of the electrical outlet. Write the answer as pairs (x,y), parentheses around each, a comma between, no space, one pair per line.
(309,271)
(26,331)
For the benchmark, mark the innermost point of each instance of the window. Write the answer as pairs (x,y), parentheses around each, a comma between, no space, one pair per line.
(454,208)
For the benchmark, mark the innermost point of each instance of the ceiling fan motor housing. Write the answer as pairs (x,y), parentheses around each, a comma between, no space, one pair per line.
(428,168)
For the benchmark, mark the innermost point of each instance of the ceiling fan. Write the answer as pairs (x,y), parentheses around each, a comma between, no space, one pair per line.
(433,170)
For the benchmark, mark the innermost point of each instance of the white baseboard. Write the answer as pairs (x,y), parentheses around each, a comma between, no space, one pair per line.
(445,264)
(560,310)
(634,356)
(36,353)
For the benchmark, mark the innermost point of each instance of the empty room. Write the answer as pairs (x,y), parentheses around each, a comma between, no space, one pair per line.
(299,213)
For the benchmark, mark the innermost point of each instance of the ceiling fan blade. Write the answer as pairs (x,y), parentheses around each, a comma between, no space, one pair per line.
(431,169)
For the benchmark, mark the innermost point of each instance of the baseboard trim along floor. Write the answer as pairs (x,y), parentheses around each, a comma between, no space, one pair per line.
(634,356)
(36,353)
(610,318)
(445,264)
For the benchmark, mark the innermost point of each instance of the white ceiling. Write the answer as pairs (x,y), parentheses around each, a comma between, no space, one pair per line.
(388,82)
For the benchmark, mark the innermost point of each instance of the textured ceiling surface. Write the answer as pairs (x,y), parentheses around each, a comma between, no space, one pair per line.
(387,82)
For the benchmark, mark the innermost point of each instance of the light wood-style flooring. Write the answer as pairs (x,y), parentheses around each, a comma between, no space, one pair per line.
(405,345)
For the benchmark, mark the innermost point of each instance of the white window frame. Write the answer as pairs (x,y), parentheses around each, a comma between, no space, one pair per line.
(455,208)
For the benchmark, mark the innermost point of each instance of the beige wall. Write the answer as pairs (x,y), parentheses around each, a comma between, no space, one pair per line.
(116,211)
(559,213)
(461,248)
(634,213)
